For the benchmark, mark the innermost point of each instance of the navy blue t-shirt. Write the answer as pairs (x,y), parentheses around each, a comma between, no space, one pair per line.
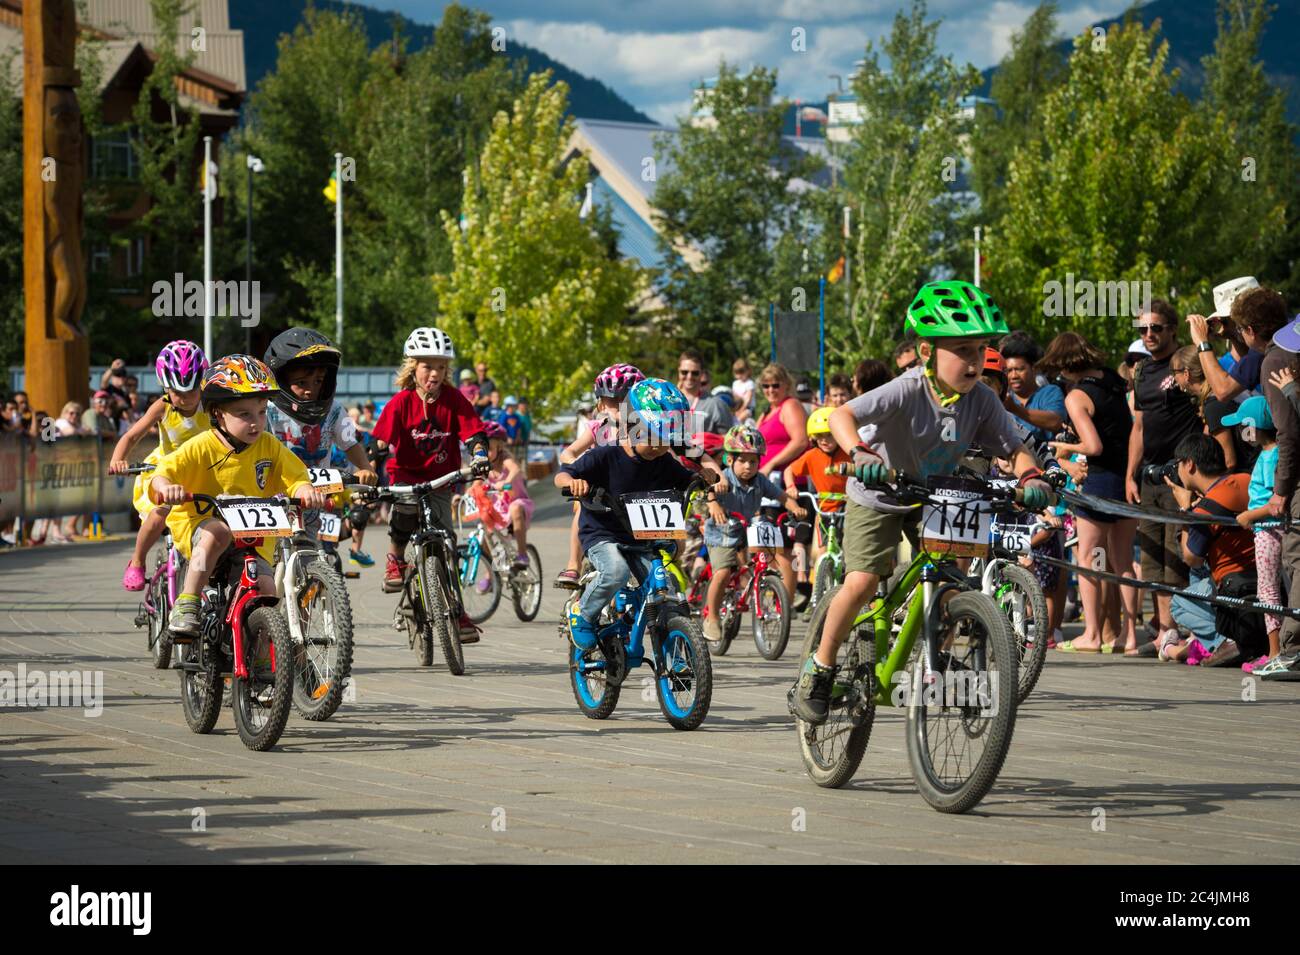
(612,468)
(1246,373)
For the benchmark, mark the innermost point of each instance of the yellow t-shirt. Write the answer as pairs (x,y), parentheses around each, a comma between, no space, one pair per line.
(175,429)
(204,465)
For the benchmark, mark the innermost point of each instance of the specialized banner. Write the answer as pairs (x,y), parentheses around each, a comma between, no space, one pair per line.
(63,477)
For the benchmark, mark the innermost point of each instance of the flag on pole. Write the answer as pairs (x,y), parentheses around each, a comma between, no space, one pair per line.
(837,271)
(331,190)
(206,170)
(586,204)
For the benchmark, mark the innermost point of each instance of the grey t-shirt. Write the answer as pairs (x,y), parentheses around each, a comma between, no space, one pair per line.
(713,415)
(913,434)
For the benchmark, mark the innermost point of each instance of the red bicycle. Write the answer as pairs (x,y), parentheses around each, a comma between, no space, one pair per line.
(242,633)
(755,588)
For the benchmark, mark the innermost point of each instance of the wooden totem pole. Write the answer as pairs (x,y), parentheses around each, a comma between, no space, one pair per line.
(57,353)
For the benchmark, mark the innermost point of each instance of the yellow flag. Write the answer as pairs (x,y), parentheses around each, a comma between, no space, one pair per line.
(331,190)
(837,271)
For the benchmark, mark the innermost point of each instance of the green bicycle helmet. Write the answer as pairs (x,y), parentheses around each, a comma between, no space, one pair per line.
(954,309)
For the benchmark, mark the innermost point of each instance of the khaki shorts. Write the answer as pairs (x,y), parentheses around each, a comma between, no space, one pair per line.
(722,557)
(871,538)
(264,567)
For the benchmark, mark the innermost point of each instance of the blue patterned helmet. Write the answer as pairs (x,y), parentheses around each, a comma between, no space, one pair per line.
(661,410)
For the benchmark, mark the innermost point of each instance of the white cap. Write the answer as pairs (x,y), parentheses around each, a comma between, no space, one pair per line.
(1225,294)
(1138,348)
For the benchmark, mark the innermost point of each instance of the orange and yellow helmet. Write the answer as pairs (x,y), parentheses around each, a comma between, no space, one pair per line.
(235,377)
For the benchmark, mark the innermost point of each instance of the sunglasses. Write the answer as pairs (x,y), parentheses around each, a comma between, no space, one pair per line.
(771,386)
(687,373)
(1151,329)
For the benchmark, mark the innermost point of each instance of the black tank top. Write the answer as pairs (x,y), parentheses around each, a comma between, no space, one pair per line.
(1112,419)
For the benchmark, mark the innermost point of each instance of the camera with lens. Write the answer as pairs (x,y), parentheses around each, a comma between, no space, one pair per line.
(1156,473)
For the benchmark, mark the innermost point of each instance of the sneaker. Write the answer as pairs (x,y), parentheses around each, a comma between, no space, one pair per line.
(810,697)
(521,561)
(1253,665)
(1225,654)
(1167,640)
(394,573)
(803,592)
(1284,667)
(712,631)
(581,632)
(184,618)
(469,630)
(133,578)
(567,580)
(360,558)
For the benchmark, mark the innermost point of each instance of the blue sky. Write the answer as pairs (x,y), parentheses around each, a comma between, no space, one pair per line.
(652,51)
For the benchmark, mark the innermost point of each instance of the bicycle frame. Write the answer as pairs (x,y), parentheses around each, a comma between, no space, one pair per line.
(654,595)
(247,599)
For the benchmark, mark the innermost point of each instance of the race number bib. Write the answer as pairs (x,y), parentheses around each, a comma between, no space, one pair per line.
(765,535)
(1013,537)
(326,480)
(331,525)
(655,516)
(959,522)
(468,508)
(252,518)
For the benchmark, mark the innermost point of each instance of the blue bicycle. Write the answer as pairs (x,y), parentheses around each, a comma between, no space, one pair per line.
(655,608)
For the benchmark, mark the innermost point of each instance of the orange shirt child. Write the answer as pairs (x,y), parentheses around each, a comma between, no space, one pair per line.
(812,465)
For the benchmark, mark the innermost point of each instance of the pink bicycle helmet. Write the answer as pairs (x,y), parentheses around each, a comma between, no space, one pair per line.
(493,430)
(180,365)
(616,380)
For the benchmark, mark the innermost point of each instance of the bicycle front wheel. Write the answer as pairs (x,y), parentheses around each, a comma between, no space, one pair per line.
(324,659)
(437,613)
(160,645)
(261,700)
(685,684)
(771,617)
(825,577)
(479,586)
(961,717)
(832,751)
(1020,598)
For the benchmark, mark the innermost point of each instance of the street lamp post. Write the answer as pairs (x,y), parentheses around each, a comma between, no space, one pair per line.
(254,165)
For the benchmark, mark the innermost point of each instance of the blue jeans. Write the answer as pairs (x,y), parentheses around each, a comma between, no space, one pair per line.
(1194,615)
(613,572)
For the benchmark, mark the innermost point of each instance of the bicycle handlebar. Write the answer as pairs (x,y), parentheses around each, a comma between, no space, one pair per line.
(393,491)
(913,488)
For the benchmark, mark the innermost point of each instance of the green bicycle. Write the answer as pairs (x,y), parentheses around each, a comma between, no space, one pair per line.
(828,572)
(958,682)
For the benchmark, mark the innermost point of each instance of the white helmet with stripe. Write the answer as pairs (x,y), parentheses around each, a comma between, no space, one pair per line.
(429,343)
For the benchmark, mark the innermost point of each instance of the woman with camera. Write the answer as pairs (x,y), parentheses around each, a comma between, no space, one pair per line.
(1097,404)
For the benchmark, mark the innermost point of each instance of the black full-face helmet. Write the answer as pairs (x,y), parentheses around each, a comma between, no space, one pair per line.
(304,348)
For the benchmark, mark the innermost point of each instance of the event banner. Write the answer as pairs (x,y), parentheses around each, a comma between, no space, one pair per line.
(63,477)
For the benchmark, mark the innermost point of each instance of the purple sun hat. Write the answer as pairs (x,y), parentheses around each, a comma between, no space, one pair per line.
(1288,336)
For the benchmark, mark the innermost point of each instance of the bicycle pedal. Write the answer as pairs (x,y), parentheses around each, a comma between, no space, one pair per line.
(352,574)
(320,691)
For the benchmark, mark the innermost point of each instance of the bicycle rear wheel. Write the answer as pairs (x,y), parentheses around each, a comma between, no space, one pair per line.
(832,752)
(959,726)
(201,689)
(262,699)
(160,644)
(526,587)
(1020,598)
(324,659)
(771,617)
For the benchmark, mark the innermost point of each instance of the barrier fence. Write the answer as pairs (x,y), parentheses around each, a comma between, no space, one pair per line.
(51,479)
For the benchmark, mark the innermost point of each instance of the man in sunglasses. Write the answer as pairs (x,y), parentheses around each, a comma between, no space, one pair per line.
(711,414)
(1163,414)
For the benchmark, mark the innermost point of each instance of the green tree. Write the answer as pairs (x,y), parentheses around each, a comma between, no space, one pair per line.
(1128,182)
(1267,186)
(532,289)
(899,172)
(1032,69)
(727,202)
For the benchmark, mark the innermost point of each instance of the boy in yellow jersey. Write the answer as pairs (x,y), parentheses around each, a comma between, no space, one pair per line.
(238,457)
(178,417)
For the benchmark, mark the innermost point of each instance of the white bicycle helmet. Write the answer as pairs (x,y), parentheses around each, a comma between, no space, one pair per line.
(429,343)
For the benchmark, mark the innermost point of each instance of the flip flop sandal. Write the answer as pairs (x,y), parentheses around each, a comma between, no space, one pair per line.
(1067,646)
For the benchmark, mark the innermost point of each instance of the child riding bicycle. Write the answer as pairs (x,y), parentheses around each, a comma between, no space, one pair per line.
(509,504)
(925,420)
(424,424)
(238,456)
(640,461)
(305,416)
(811,467)
(742,448)
(178,417)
